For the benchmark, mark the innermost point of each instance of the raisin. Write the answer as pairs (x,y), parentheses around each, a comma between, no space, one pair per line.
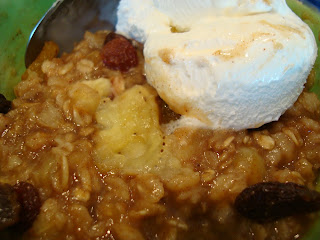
(111,36)
(165,113)
(269,201)
(9,206)
(118,53)
(29,199)
(5,105)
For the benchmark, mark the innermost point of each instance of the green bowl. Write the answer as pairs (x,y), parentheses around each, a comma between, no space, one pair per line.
(18,18)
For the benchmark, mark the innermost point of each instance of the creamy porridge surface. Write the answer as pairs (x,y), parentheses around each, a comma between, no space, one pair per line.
(88,133)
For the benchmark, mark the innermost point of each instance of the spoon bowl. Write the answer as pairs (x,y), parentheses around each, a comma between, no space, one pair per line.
(67,20)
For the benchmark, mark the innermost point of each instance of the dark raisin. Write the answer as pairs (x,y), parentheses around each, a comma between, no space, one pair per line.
(118,53)
(29,199)
(165,113)
(113,35)
(269,201)
(9,206)
(5,105)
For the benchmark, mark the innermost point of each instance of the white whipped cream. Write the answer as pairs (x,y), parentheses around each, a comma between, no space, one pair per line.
(232,64)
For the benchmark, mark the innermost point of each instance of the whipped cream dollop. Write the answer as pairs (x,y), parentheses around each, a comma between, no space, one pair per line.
(232,64)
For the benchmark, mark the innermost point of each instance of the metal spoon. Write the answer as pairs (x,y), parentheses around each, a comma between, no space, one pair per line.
(66,22)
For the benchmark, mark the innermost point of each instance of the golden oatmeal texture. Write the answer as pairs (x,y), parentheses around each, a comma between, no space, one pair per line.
(92,141)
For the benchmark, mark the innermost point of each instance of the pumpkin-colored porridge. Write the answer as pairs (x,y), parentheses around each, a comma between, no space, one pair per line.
(90,137)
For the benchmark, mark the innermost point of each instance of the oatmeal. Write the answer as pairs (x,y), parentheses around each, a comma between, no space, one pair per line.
(90,137)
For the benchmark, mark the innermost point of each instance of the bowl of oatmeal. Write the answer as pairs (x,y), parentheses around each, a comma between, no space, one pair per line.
(84,154)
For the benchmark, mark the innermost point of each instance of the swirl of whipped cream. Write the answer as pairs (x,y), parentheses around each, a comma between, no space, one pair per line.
(232,64)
